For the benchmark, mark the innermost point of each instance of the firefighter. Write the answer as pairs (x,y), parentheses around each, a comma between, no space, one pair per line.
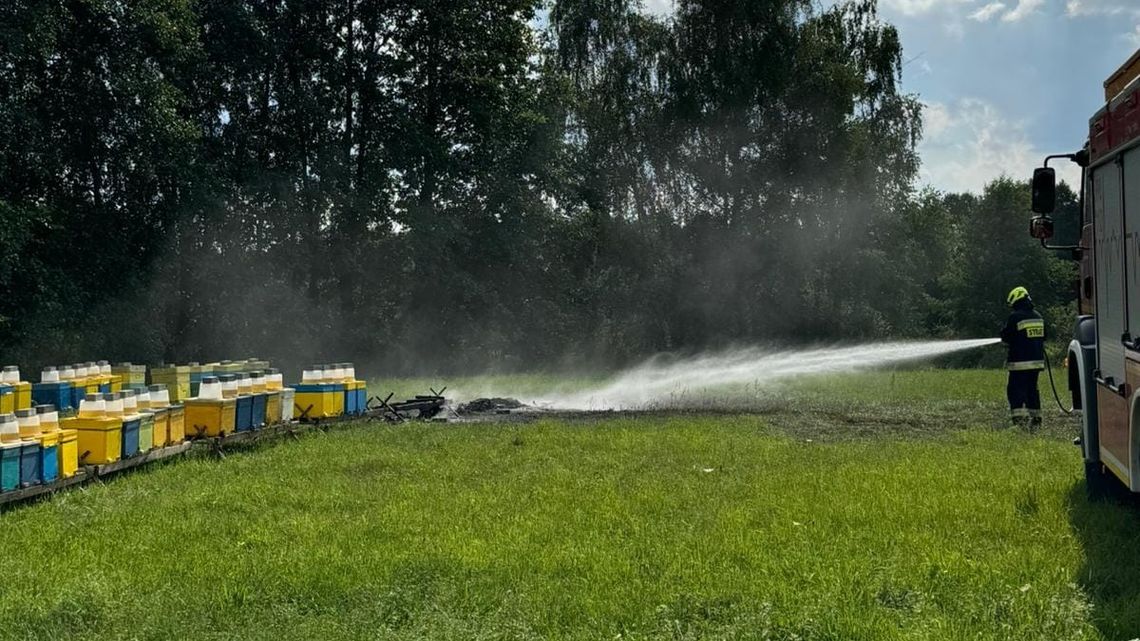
(1024,335)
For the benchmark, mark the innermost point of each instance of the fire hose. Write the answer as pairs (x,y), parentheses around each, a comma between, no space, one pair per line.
(1053,384)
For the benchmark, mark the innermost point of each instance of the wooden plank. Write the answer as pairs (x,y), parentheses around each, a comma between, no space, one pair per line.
(94,472)
(30,493)
(146,457)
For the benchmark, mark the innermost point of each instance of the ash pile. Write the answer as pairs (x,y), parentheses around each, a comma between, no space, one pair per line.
(490,406)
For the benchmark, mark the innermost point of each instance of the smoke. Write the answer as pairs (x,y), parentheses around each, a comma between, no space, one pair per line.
(660,382)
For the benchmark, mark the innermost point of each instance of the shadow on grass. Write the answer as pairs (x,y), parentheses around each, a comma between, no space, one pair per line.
(1109,534)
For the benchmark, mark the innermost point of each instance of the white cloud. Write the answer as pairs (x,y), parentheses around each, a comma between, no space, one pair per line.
(917,7)
(1133,38)
(987,12)
(969,143)
(1023,9)
(1102,7)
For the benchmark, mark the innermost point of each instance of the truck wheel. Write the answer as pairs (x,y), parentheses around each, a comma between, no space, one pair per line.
(1100,484)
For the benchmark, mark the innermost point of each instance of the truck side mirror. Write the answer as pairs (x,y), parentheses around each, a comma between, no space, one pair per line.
(1041,228)
(1044,190)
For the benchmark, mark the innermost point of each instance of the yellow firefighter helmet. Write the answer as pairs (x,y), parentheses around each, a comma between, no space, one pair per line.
(1018,293)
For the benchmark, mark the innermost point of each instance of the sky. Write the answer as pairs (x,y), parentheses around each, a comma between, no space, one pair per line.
(1004,82)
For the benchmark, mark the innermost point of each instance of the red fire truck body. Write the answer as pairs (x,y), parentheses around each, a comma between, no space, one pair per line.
(1104,355)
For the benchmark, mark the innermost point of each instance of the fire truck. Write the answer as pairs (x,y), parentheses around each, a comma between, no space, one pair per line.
(1104,355)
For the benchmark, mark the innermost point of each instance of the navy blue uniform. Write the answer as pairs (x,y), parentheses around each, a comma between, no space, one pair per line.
(1024,334)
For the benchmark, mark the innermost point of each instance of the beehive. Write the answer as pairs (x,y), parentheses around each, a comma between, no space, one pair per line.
(288,404)
(61,395)
(49,456)
(130,435)
(31,467)
(161,427)
(98,440)
(209,417)
(177,423)
(318,401)
(260,407)
(7,399)
(9,466)
(146,431)
(175,378)
(68,453)
(244,416)
(272,408)
(23,391)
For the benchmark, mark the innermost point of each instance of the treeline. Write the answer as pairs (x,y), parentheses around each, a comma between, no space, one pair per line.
(420,185)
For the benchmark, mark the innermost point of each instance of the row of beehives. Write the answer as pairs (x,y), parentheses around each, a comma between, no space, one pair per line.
(118,415)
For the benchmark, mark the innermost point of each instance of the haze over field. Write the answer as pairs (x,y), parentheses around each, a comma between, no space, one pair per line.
(686,382)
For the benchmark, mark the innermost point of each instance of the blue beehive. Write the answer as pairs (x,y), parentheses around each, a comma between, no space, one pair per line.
(351,406)
(60,395)
(9,466)
(244,414)
(78,392)
(49,458)
(130,444)
(30,464)
(259,401)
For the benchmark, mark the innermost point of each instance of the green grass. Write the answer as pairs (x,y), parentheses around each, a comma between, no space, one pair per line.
(657,526)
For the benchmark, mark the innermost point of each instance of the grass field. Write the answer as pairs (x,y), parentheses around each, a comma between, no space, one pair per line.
(881,506)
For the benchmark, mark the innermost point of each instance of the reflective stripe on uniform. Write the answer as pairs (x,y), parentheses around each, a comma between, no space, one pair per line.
(1034,413)
(1022,366)
(1033,327)
(1019,412)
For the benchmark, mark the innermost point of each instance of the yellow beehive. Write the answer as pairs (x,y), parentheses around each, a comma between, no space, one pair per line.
(317,401)
(99,440)
(177,423)
(175,378)
(7,399)
(68,453)
(210,417)
(23,393)
(272,408)
(161,435)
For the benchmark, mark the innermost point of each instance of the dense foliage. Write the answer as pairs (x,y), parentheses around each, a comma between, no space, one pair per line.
(502,183)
